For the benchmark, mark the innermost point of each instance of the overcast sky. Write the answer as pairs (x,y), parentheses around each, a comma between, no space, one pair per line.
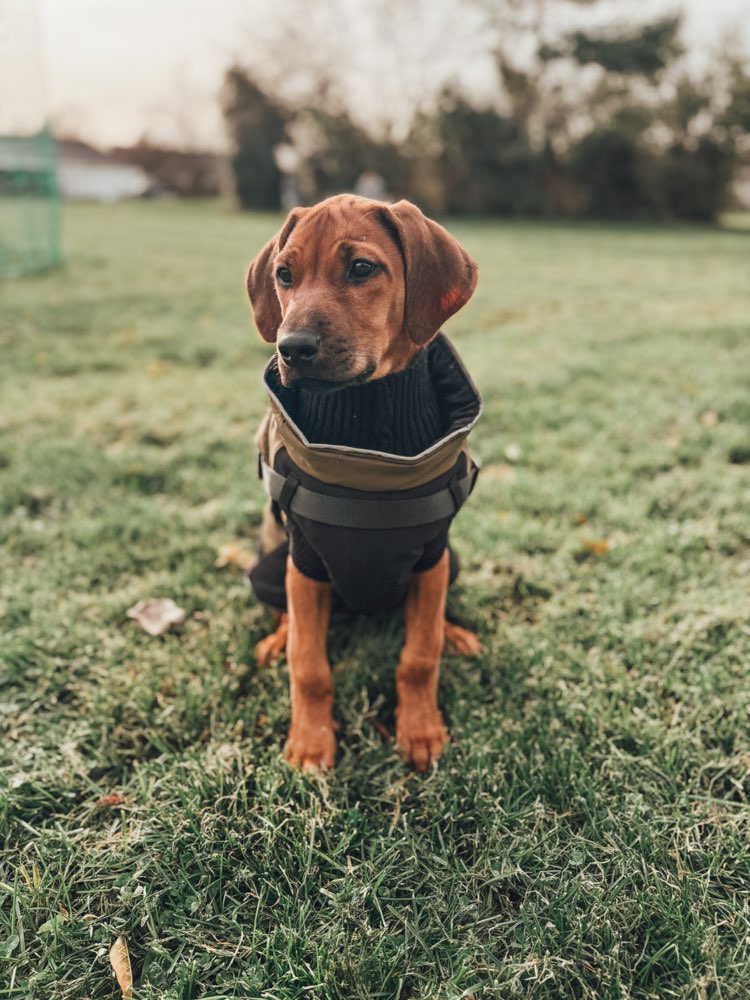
(114,69)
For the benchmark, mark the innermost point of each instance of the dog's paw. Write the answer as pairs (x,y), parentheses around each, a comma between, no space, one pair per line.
(268,650)
(461,640)
(421,740)
(311,748)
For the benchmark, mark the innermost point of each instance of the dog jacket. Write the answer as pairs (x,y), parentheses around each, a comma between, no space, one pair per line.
(367,479)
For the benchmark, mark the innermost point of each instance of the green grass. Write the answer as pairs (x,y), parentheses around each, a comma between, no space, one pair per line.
(587,832)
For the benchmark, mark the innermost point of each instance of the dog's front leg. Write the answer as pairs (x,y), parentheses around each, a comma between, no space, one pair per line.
(420,732)
(311,743)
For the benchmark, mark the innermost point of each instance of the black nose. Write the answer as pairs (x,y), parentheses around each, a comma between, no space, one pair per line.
(298,347)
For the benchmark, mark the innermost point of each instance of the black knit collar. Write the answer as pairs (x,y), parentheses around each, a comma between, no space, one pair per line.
(405,413)
(398,414)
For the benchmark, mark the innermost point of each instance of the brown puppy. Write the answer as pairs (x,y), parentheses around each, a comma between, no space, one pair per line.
(351,291)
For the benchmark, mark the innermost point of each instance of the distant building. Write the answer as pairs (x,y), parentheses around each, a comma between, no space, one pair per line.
(188,173)
(86,174)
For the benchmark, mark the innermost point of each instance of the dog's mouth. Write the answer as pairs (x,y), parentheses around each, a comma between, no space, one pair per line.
(295,379)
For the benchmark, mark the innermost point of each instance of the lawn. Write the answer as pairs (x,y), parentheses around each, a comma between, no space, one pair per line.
(587,832)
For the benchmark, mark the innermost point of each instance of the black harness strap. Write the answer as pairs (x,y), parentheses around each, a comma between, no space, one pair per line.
(348,512)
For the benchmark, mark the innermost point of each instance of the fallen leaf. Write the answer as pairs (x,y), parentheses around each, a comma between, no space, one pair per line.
(234,555)
(114,799)
(581,519)
(119,959)
(513,452)
(596,546)
(156,615)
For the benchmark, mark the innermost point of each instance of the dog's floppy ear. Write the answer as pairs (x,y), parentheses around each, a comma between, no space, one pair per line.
(440,275)
(261,285)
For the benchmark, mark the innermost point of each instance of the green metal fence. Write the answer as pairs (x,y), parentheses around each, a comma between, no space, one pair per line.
(29,204)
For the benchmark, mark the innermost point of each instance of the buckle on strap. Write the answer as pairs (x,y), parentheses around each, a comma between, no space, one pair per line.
(454,486)
(460,488)
(291,483)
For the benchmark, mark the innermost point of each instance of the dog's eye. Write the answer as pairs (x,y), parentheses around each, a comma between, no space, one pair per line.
(284,276)
(362,268)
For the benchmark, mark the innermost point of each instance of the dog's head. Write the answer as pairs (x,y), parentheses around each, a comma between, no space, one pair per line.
(351,289)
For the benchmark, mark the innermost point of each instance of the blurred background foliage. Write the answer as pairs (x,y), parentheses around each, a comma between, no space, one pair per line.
(613,122)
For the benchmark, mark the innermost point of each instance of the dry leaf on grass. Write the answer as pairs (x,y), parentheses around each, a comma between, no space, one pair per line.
(113,799)
(513,452)
(234,555)
(596,546)
(119,959)
(157,614)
